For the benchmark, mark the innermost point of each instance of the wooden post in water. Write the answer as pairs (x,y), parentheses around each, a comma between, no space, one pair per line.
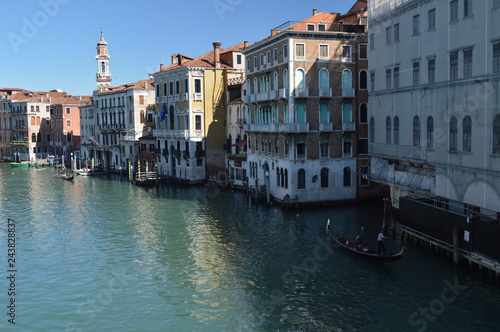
(455,246)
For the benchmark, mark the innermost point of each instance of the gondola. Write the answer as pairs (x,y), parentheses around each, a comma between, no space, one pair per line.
(363,250)
(65,176)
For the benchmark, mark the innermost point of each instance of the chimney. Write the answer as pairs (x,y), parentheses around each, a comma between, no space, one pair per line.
(216,54)
(315,11)
(161,67)
(174,58)
(179,59)
(245,44)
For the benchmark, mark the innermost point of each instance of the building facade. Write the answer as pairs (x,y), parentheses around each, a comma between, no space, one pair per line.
(434,119)
(301,103)
(191,101)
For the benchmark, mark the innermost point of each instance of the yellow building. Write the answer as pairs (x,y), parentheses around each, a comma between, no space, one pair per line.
(191,97)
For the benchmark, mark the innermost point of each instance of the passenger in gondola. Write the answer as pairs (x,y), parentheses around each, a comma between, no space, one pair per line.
(358,243)
(380,240)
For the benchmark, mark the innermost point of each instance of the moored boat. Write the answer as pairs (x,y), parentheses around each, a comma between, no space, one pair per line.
(362,250)
(65,176)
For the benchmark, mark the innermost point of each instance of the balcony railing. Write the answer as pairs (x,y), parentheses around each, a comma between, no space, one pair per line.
(348,126)
(326,126)
(283,93)
(294,127)
(348,93)
(261,127)
(301,93)
(198,96)
(325,92)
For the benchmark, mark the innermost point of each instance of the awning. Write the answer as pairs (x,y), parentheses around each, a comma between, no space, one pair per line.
(242,143)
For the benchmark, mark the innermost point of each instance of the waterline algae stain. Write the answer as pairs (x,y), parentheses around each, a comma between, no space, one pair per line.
(99,254)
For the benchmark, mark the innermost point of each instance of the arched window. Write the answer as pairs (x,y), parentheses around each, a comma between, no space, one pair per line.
(324,81)
(363,113)
(301,179)
(285,114)
(372,130)
(416,131)
(286,178)
(33,138)
(324,177)
(275,81)
(453,134)
(324,148)
(300,79)
(363,80)
(141,116)
(286,79)
(396,130)
(255,86)
(346,79)
(430,132)
(347,177)
(300,116)
(388,130)
(496,135)
(278,176)
(323,113)
(346,113)
(37,121)
(467,134)
(32,120)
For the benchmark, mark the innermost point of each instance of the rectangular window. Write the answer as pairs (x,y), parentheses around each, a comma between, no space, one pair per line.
(388,78)
(141,100)
(372,81)
(468,62)
(496,57)
(300,51)
(324,148)
(197,85)
(275,55)
(363,145)
(388,35)
(467,8)
(171,86)
(197,122)
(416,25)
(321,27)
(238,59)
(323,51)
(248,65)
(68,123)
(396,32)
(268,57)
(68,110)
(285,51)
(431,17)
(416,73)
(363,51)
(310,27)
(396,77)
(346,52)
(186,85)
(254,63)
(177,87)
(453,11)
(372,41)
(454,65)
(364,180)
(431,70)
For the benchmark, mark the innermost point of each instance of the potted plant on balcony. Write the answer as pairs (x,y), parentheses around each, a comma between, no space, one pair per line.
(186,155)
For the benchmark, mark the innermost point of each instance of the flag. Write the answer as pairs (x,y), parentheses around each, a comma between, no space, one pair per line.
(163,113)
(154,110)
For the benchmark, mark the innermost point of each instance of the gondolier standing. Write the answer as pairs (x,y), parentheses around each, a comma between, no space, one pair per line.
(380,240)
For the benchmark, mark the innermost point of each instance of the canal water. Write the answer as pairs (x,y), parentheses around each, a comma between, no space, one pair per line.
(100,254)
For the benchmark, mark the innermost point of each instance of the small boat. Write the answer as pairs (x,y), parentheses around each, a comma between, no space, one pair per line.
(362,250)
(89,172)
(65,176)
(21,164)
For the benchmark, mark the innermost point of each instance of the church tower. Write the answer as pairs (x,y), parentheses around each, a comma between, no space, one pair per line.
(103,76)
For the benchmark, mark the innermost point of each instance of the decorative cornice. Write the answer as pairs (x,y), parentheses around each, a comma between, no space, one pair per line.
(397,12)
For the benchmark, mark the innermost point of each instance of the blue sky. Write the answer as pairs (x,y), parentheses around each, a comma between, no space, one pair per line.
(50,44)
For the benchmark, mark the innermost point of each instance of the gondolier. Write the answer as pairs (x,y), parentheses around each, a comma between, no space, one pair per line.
(380,240)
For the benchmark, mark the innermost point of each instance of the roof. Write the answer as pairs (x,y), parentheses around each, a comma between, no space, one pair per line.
(206,60)
(51,97)
(142,84)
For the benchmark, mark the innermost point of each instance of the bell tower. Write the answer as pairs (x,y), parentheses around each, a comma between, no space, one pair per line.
(103,76)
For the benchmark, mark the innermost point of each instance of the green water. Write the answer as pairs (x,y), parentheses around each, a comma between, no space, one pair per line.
(99,254)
